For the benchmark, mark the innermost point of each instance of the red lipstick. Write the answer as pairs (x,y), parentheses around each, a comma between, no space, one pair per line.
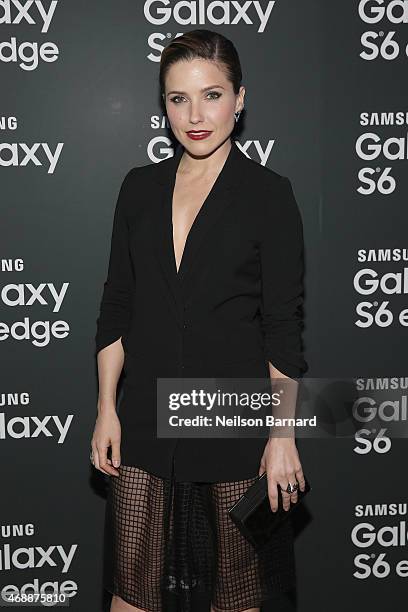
(198,134)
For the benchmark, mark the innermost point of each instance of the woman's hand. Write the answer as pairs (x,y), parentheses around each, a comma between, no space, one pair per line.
(107,433)
(280,461)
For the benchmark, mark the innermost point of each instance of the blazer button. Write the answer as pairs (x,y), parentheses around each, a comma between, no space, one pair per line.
(184,325)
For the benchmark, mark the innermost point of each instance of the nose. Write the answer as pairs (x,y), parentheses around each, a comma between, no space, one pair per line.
(196,114)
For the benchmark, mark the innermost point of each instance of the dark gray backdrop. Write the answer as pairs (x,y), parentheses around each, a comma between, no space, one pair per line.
(306,87)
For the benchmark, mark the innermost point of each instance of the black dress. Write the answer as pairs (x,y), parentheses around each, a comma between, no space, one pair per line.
(172,546)
(233,306)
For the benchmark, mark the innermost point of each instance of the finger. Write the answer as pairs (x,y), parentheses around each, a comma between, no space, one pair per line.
(262,466)
(285,495)
(294,495)
(102,459)
(272,493)
(96,460)
(105,463)
(115,454)
(93,454)
(115,473)
(300,478)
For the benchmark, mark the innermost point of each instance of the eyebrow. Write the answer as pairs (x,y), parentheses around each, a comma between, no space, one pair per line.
(201,90)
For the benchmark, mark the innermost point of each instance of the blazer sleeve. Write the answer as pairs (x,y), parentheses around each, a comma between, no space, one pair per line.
(282,253)
(115,306)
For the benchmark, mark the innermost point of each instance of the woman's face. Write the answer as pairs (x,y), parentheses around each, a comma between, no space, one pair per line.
(199,96)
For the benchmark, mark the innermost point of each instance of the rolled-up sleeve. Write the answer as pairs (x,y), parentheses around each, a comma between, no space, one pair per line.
(282,256)
(115,306)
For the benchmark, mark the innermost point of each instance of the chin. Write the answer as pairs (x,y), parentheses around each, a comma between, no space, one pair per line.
(202,147)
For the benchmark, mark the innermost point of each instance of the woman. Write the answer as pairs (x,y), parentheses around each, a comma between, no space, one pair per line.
(204,279)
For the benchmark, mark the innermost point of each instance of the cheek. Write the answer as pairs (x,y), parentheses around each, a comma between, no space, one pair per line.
(221,113)
(175,115)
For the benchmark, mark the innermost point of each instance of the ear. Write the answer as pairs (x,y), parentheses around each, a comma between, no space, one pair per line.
(239,104)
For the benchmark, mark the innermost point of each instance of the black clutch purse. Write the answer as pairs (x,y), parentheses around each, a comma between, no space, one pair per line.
(252,513)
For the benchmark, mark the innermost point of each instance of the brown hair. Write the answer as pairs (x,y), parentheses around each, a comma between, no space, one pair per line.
(203,44)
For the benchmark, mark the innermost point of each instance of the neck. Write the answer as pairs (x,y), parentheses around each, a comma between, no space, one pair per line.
(195,166)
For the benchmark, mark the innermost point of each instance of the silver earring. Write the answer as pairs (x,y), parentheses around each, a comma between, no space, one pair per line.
(237,114)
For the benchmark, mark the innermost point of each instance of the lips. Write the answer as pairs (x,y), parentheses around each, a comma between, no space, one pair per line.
(198,135)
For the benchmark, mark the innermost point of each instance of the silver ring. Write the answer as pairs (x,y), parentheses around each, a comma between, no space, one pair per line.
(291,488)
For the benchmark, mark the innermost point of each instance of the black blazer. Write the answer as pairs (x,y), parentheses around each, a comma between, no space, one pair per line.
(234,305)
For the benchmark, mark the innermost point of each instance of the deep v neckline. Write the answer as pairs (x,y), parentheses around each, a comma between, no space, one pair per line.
(189,231)
(197,217)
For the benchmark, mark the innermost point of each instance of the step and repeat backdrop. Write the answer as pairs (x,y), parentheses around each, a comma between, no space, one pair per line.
(326,105)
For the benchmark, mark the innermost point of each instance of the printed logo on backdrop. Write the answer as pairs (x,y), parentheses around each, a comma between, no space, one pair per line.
(159,147)
(384,142)
(380,539)
(22,154)
(22,302)
(387,37)
(23,425)
(202,13)
(380,414)
(21,550)
(381,285)
(27,54)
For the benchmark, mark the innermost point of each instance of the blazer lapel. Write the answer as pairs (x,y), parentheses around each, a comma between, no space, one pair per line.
(220,196)
(162,229)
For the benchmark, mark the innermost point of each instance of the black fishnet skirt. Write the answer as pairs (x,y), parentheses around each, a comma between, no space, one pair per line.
(172,546)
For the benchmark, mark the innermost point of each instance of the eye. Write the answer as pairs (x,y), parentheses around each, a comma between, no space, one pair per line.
(175,98)
(214,95)
(217,95)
